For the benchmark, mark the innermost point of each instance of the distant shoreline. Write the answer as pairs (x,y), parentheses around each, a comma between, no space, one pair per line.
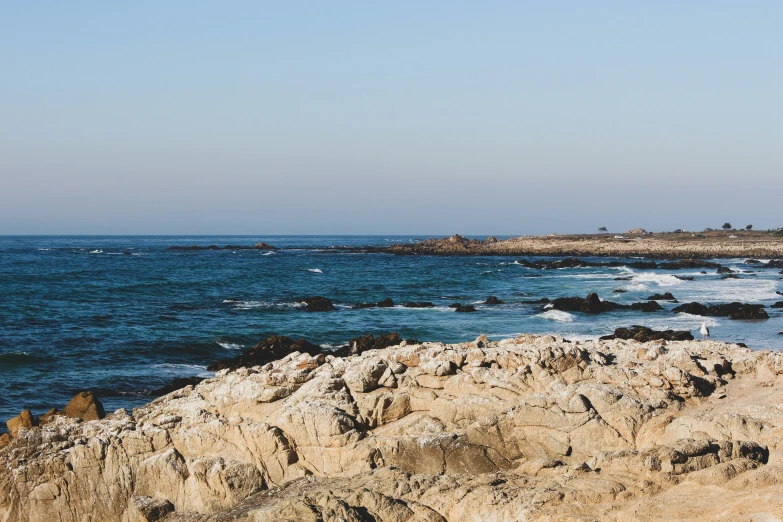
(668,245)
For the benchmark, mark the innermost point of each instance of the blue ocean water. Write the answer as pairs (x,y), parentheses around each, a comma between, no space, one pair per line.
(77,313)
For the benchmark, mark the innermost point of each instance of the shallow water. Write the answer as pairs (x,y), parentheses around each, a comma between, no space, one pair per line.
(75,313)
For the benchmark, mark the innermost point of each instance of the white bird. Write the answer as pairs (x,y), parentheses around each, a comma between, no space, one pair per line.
(705,332)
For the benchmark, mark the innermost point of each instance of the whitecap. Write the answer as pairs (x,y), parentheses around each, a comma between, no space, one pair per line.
(315,270)
(268,253)
(231,346)
(95,252)
(658,279)
(557,315)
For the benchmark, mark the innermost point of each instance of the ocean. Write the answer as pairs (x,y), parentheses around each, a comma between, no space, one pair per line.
(123,315)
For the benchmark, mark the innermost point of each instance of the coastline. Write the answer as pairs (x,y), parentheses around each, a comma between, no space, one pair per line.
(534,427)
(654,246)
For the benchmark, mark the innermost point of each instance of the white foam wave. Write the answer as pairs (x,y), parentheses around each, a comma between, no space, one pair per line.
(268,253)
(44,249)
(315,270)
(657,279)
(231,346)
(557,315)
(95,252)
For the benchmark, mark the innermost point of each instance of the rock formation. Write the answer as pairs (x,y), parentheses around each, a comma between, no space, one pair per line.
(532,428)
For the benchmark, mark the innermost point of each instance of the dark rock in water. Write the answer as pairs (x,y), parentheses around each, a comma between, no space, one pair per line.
(359,345)
(421,304)
(386,303)
(257,246)
(620,291)
(688,263)
(643,265)
(704,271)
(774,263)
(648,306)
(543,300)
(455,305)
(465,308)
(780,333)
(661,297)
(685,278)
(84,406)
(623,278)
(644,334)
(725,270)
(264,246)
(731,276)
(779,292)
(126,253)
(316,304)
(752,262)
(492,300)
(268,350)
(589,305)
(732,310)
(177,384)
(779,304)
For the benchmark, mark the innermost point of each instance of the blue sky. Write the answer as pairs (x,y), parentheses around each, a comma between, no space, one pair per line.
(399,117)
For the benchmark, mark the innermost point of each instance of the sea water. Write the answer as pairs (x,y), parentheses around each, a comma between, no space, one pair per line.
(123,316)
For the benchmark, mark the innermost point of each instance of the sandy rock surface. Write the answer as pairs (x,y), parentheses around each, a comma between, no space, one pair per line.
(533,428)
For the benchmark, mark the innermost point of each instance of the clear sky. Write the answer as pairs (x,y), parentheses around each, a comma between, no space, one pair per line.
(404,117)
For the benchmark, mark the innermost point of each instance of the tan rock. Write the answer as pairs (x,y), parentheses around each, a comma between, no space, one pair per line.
(84,406)
(24,420)
(532,428)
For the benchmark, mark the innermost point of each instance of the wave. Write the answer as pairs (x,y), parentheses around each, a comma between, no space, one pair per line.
(657,279)
(181,369)
(557,315)
(231,346)
(95,252)
(315,270)
(270,253)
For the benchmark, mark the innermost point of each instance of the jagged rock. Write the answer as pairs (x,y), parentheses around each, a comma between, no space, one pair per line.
(359,345)
(24,420)
(725,270)
(5,440)
(732,310)
(316,304)
(534,428)
(661,297)
(779,304)
(84,406)
(264,246)
(492,300)
(268,350)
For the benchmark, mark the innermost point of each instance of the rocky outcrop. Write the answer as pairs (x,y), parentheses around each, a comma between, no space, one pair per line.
(592,304)
(644,334)
(359,345)
(493,300)
(257,246)
(779,304)
(421,304)
(532,428)
(662,297)
(459,307)
(268,350)
(731,310)
(315,304)
(84,406)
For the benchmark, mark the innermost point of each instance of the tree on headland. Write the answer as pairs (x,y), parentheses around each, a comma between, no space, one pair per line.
(749,227)
(726,226)
(602,229)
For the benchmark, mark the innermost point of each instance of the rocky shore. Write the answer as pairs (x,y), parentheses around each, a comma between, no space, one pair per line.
(532,428)
(656,246)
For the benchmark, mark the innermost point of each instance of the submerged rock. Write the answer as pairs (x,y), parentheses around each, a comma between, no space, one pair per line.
(386,303)
(464,308)
(421,304)
(492,300)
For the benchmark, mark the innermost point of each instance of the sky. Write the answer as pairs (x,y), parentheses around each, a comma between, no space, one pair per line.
(411,117)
